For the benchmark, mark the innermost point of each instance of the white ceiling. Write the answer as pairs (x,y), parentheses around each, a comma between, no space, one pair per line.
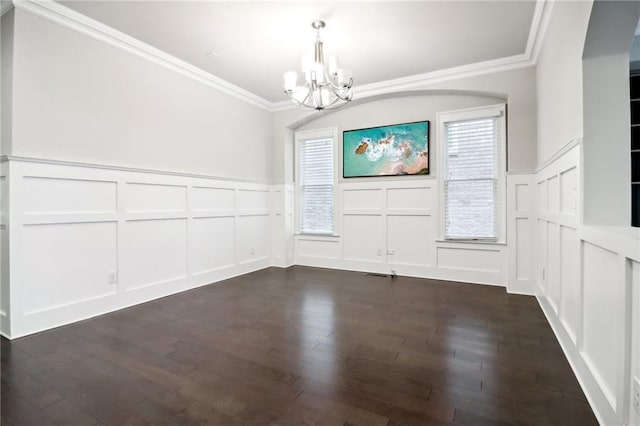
(251,44)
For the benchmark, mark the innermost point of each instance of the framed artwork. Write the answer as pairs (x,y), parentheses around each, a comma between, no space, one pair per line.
(395,150)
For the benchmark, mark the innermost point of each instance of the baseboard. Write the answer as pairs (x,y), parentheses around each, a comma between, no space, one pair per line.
(71,313)
(594,394)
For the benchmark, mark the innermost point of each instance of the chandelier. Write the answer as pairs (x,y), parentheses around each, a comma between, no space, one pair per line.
(324,87)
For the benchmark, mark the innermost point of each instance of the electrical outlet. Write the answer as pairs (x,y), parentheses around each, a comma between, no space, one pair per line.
(112,276)
(379,252)
(253,251)
(543,274)
(636,395)
(391,252)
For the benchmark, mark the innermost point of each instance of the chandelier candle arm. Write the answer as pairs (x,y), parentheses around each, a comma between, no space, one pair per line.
(323,87)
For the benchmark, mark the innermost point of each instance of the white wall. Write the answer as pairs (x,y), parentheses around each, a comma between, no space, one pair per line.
(80,99)
(518,87)
(606,112)
(6,80)
(559,77)
(75,227)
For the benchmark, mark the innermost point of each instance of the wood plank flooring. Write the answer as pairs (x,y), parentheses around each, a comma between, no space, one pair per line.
(300,346)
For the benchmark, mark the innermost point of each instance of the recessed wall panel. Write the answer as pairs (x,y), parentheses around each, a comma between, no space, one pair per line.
(358,199)
(64,264)
(363,236)
(320,249)
(553,264)
(211,199)
(211,244)
(153,251)
(410,237)
(570,309)
(43,195)
(569,191)
(409,198)
(523,249)
(253,200)
(143,197)
(541,229)
(253,237)
(603,297)
(469,259)
(541,196)
(523,203)
(4,276)
(553,194)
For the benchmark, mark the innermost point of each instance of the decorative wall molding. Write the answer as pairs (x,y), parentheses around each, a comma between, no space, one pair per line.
(559,153)
(18,158)
(585,286)
(391,226)
(55,12)
(86,240)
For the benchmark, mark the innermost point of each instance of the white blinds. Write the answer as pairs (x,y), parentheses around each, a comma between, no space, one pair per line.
(471,179)
(315,162)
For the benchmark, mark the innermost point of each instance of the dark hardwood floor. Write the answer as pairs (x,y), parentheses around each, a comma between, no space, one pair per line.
(300,346)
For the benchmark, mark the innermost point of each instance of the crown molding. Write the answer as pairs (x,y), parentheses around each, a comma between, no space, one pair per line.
(57,13)
(419,81)
(539,24)
(5,6)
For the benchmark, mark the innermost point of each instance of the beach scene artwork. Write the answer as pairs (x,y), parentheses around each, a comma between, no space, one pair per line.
(396,150)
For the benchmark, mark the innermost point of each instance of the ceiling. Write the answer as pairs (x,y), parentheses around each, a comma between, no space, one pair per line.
(251,44)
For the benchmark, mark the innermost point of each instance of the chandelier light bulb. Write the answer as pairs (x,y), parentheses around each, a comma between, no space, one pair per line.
(290,80)
(325,86)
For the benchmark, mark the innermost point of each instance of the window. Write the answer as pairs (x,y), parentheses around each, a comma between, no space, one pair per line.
(472,143)
(315,182)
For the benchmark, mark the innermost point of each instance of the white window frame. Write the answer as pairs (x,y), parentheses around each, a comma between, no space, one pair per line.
(442,118)
(331,132)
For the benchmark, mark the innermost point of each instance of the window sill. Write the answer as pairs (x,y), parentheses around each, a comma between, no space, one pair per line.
(481,242)
(318,237)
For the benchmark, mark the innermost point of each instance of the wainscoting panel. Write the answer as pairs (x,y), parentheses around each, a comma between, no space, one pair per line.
(365,198)
(482,260)
(364,237)
(252,199)
(586,281)
(523,250)
(409,198)
(253,238)
(603,297)
(5,290)
(553,265)
(391,226)
(88,239)
(53,274)
(408,238)
(541,260)
(570,309)
(208,199)
(48,196)
(634,416)
(145,197)
(318,248)
(520,233)
(206,253)
(153,252)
